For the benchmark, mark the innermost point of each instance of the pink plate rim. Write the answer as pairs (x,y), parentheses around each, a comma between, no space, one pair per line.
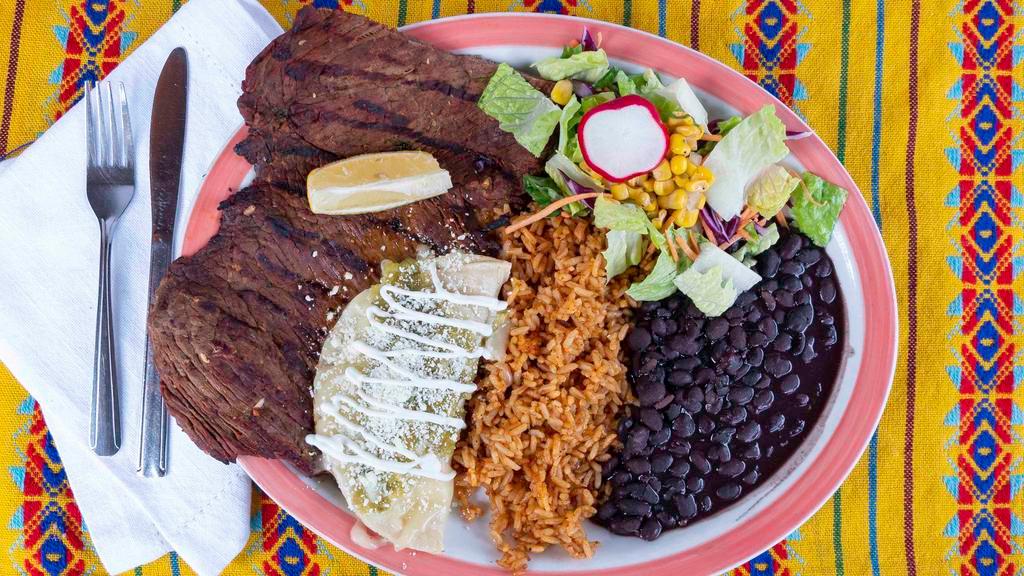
(873,381)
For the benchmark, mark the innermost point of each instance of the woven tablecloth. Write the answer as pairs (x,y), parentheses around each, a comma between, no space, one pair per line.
(924,103)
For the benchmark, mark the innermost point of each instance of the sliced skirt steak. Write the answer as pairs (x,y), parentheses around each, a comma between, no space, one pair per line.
(237,328)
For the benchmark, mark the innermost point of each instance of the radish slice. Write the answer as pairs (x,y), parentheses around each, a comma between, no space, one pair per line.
(623,138)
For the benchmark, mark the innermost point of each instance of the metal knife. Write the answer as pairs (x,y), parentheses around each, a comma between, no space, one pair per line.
(166,146)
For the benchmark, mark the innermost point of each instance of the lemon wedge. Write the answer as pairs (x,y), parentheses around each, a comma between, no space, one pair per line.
(375,182)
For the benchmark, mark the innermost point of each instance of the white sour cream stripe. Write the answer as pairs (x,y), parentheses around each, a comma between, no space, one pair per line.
(346,449)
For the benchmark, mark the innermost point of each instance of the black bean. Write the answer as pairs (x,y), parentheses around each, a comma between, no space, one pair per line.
(763,383)
(763,400)
(738,337)
(802,400)
(715,406)
(799,341)
(647,366)
(660,327)
(686,506)
(719,453)
(769,300)
(750,378)
(719,348)
(777,365)
(734,415)
(716,328)
(653,482)
(652,419)
(705,425)
(672,411)
(661,462)
(745,299)
(755,356)
(668,519)
(741,395)
(751,477)
(785,298)
(749,432)
(679,448)
(757,339)
(776,422)
(809,353)
(752,452)
(695,484)
(809,256)
(769,328)
(728,491)
(723,435)
(801,297)
(800,318)
(732,468)
(827,291)
(789,384)
(734,315)
(686,364)
(791,283)
(634,507)
(703,376)
(789,247)
(625,525)
(797,428)
(823,269)
(661,437)
(666,400)
(637,440)
(650,529)
(792,267)
(679,378)
(638,465)
(692,407)
(768,264)
(606,511)
(705,503)
(700,462)
(807,281)
(638,339)
(650,494)
(683,426)
(650,392)
(620,478)
(679,468)
(695,394)
(831,336)
(673,485)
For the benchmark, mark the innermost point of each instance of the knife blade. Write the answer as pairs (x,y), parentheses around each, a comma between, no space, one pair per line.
(166,147)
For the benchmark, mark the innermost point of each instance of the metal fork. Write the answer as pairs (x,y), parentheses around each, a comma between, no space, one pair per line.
(110,186)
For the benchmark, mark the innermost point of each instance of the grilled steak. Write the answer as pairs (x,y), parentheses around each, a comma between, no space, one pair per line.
(237,328)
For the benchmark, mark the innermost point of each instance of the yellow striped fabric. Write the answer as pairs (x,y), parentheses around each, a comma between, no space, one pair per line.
(922,100)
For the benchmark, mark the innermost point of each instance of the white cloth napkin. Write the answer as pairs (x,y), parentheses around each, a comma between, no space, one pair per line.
(49,250)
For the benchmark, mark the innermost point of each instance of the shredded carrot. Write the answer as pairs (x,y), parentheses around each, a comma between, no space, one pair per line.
(685,247)
(743,234)
(807,193)
(672,248)
(711,137)
(693,242)
(549,209)
(707,230)
(782,220)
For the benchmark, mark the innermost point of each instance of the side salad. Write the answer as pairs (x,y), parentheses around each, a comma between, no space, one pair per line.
(645,161)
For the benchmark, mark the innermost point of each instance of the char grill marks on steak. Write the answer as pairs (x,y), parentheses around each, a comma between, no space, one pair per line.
(237,328)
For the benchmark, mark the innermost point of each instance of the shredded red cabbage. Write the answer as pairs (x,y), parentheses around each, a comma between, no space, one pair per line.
(714,224)
(578,188)
(790,135)
(582,89)
(588,41)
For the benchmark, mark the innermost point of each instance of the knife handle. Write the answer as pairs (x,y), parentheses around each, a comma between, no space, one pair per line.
(154,427)
(105,424)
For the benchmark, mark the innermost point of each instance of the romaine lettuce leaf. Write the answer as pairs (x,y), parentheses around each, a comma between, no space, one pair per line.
(520,109)
(715,279)
(659,282)
(771,190)
(567,123)
(625,249)
(761,241)
(754,144)
(627,218)
(587,66)
(593,100)
(542,189)
(686,99)
(560,168)
(625,84)
(816,208)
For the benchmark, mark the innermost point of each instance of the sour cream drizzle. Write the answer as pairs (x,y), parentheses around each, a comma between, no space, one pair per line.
(344,448)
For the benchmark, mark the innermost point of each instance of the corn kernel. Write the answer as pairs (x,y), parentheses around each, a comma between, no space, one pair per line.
(619,191)
(674,201)
(644,199)
(561,92)
(688,120)
(648,185)
(678,145)
(691,169)
(662,171)
(674,122)
(678,217)
(696,186)
(663,188)
(688,131)
(690,219)
(701,201)
(634,193)
(678,165)
(651,209)
(659,219)
(635,181)
(703,173)
(680,181)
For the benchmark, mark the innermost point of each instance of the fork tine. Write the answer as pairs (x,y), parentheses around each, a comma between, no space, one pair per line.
(103,155)
(126,123)
(116,145)
(92,147)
